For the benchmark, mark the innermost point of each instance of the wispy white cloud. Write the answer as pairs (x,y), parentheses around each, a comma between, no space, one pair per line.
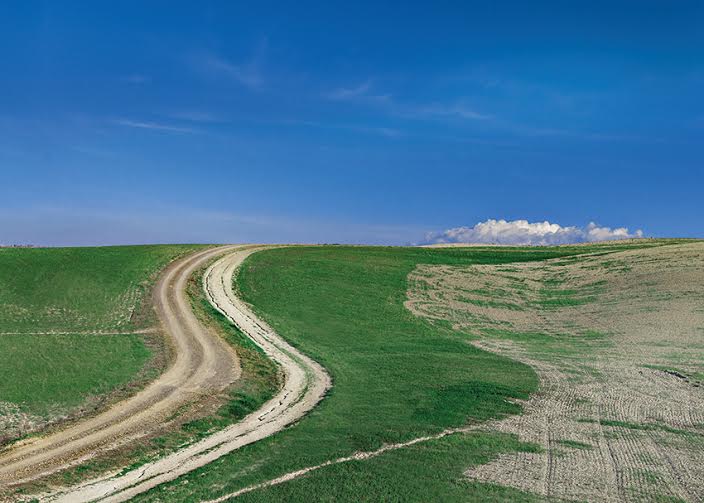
(557,133)
(136,78)
(383,131)
(153,126)
(348,93)
(522,232)
(361,93)
(466,109)
(437,110)
(374,130)
(249,74)
(364,93)
(195,116)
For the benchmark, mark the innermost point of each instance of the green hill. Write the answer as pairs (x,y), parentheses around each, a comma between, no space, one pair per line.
(68,323)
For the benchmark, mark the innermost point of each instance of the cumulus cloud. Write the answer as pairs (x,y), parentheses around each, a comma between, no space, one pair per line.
(522,232)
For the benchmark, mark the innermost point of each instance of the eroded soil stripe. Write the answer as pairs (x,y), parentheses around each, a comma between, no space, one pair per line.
(358,456)
(90,332)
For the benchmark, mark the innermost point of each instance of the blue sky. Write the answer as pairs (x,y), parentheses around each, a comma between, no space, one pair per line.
(127,122)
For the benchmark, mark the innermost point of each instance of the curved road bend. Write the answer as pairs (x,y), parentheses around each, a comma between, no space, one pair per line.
(305,385)
(203,363)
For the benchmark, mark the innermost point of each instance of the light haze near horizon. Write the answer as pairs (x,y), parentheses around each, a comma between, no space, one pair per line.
(386,124)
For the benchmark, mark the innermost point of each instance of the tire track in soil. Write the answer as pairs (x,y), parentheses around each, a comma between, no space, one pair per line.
(203,364)
(305,384)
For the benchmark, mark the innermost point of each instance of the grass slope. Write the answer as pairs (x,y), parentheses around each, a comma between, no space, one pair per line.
(45,373)
(258,382)
(77,289)
(396,377)
(71,291)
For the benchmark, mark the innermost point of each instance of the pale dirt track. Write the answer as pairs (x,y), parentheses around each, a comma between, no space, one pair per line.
(306,382)
(203,364)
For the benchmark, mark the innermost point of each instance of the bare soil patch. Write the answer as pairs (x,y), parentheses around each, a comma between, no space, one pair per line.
(618,342)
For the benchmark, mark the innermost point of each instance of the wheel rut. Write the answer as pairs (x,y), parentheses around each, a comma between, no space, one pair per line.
(202,364)
(305,384)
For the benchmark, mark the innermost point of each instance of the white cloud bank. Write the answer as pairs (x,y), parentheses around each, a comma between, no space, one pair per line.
(522,232)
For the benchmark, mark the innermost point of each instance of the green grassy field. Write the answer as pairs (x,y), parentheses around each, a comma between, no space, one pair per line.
(258,382)
(50,373)
(396,377)
(72,292)
(77,289)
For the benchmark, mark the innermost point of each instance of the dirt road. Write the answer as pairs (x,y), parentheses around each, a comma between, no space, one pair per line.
(305,385)
(203,363)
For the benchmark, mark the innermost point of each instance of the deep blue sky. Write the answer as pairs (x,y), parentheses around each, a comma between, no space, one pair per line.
(355,122)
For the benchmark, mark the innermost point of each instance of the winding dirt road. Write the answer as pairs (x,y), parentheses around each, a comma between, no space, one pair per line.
(197,368)
(203,363)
